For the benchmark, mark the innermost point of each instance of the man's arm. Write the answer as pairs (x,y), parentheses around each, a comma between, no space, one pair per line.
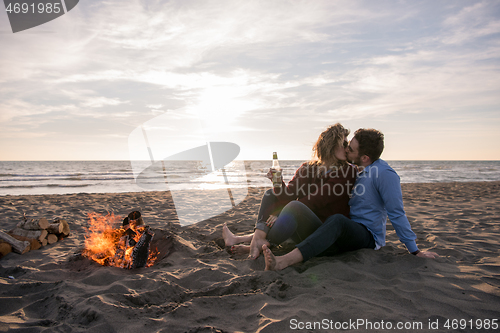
(389,186)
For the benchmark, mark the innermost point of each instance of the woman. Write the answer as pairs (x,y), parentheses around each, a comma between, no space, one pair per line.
(320,188)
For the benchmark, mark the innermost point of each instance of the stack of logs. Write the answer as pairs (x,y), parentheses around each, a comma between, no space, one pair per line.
(32,235)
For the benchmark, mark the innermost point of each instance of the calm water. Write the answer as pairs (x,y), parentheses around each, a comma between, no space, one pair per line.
(21,178)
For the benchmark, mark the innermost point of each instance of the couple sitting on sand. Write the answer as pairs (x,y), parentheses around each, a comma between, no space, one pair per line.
(331,206)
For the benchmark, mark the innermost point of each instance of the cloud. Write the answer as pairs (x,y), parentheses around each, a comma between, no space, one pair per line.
(471,23)
(250,66)
(99,102)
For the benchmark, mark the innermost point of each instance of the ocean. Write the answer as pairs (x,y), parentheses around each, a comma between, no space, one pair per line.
(63,177)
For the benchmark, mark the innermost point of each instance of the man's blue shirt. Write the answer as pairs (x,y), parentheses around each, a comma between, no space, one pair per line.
(376,195)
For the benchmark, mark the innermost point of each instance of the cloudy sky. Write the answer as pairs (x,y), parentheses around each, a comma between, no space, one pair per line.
(266,75)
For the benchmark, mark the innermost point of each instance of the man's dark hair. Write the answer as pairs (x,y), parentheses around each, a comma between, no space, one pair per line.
(371,143)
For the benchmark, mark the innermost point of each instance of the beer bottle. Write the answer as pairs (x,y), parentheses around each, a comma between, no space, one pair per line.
(276,170)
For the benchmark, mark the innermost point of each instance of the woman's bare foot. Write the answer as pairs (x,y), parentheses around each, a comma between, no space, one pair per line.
(229,237)
(259,239)
(240,249)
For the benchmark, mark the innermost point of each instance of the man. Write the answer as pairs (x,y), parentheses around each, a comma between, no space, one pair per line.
(376,196)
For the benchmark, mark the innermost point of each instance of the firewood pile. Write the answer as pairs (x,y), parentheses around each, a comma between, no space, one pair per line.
(32,234)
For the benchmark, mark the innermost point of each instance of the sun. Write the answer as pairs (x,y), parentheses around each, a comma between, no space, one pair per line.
(220,107)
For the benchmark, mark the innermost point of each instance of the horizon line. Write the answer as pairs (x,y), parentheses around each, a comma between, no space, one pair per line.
(249,160)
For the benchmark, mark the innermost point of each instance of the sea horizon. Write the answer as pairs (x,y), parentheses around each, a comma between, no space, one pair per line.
(251,160)
(115,176)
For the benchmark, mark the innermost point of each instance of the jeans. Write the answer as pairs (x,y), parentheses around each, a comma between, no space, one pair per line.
(269,205)
(338,234)
(295,220)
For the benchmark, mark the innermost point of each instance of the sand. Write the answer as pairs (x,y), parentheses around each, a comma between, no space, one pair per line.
(202,288)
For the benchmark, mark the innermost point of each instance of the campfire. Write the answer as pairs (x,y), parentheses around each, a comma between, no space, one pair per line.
(126,246)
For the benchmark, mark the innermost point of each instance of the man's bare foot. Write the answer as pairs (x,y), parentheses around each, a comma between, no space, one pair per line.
(229,237)
(240,249)
(258,240)
(274,263)
(270,258)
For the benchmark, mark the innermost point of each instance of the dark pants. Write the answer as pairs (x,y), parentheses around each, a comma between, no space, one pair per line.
(338,234)
(295,220)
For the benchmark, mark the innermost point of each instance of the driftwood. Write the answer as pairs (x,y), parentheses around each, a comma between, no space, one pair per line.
(17,246)
(34,224)
(43,235)
(51,239)
(55,228)
(5,248)
(33,234)
(34,243)
(36,234)
(65,225)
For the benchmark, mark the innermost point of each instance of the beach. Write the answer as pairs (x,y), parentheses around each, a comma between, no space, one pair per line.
(200,287)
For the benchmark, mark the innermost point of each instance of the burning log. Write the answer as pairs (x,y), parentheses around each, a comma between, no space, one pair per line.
(36,234)
(55,228)
(126,247)
(17,246)
(135,218)
(140,253)
(5,248)
(33,224)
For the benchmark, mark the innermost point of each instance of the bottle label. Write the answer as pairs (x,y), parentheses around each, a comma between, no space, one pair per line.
(276,178)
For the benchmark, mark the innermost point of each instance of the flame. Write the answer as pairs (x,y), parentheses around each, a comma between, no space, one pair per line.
(108,244)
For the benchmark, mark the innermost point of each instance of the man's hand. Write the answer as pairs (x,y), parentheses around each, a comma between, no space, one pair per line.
(427,254)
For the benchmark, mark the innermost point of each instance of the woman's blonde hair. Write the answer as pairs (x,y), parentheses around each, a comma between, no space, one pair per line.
(324,148)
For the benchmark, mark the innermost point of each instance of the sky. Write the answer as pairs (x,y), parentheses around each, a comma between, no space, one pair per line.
(265,75)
